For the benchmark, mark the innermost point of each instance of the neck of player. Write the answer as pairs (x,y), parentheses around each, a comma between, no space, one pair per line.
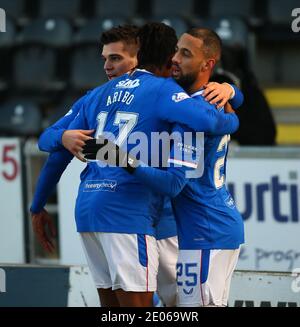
(198,84)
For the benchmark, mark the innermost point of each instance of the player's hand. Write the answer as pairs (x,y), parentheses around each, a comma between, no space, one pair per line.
(42,225)
(74,140)
(216,93)
(106,151)
(228,108)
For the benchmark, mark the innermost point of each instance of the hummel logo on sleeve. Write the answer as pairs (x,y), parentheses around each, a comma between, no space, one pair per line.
(177,97)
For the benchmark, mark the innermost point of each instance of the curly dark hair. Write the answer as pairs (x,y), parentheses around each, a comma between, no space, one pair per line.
(127,33)
(157,45)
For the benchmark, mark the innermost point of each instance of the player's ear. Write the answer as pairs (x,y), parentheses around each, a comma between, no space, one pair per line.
(211,63)
(205,66)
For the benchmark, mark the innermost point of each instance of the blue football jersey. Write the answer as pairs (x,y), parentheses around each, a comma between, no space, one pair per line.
(162,213)
(110,199)
(206,214)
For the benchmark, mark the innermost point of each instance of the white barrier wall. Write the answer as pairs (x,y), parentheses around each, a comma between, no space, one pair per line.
(11,208)
(71,252)
(267,194)
(33,286)
(264,289)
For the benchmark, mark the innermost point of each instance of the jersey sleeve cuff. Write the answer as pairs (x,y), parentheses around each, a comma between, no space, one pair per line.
(60,133)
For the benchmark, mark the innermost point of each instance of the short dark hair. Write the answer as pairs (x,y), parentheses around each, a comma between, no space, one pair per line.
(127,33)
(212,44)
(157,43)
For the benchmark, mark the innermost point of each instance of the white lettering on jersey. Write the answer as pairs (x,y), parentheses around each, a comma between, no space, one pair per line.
(100,185)
(177,97)
(188,148)
(120,96)
(218,178)
(128,84)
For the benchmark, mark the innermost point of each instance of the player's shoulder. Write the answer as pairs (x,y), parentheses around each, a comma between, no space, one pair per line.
(171,91)
(81,100)
(101,89)
(170,85)
(146,79)
(199,97)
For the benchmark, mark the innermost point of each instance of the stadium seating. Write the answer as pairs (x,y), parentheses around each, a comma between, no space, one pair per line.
(68,9)
(285,103)
(91,32)
(15,9)
(35,70)
(20,118)
(53,32)
(7,40)
(36,62)
(86,64)
(278,21)
(266,66)
(279,12)
(87,68)
(53,45)
(172,8)
(179,24)
(290,60)
(60,109)
(115,8)
(232,31)
(235,8)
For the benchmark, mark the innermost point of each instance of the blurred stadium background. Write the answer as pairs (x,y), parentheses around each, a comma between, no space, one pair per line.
(50,55)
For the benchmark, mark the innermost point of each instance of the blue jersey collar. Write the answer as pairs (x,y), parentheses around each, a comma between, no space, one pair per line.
(140,71)
(199,92)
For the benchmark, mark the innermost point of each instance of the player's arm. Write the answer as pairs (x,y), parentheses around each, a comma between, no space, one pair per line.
(220,94)
(70,139)
(54,137)
(168,182)
(49,177)
(76,133)
(183,165)
(237,99)
(175,106)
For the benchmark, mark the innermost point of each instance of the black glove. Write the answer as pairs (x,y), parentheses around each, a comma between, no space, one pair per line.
(104,150)
(92,146)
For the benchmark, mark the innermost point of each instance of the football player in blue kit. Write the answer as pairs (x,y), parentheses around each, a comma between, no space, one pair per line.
(210,228)
(115,221)
(122,98)
(119,55)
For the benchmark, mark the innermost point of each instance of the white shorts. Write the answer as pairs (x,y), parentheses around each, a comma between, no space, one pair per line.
(122,261)
(166,277)
(204,276)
